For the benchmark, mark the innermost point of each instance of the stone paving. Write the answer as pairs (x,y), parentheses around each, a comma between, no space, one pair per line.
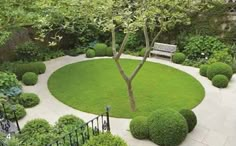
(216,114)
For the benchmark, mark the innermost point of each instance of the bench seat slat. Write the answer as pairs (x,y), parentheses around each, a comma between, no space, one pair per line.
(156,52)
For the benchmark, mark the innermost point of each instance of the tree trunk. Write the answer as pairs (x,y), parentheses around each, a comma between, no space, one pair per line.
(131,96)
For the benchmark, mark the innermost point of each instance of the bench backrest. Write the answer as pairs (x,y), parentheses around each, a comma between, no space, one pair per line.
(165,47)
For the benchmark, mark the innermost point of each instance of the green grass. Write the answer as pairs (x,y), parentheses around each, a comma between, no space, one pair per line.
(91,85)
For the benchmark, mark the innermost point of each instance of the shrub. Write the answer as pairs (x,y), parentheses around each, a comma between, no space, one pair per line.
(178,58)
(220,81)
(36,131)
(109,51)
(36,67)
(30,78)
(9,85)
(190,117)
(234,66)
(221,56)
(90,53)
(29,99)
(219,68)
(8,80)
(105,139)
(203,70)
(100,49)
(167,127)
(68,123)
(28,51)
(142,52)
(202,47)
(20,111)
(139,127)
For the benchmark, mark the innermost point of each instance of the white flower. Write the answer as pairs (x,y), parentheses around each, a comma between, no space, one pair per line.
(206,58)
(203,53)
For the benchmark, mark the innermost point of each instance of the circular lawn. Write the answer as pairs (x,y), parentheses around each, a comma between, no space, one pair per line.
(91,85)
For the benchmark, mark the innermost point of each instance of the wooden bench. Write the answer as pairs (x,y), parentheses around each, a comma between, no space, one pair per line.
(163,50)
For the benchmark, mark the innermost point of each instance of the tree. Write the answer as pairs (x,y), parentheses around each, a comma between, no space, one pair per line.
(149,15)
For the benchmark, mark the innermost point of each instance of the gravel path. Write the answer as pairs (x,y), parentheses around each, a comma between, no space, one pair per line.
(216,114)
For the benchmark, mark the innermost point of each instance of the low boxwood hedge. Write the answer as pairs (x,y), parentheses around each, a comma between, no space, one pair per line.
(190,117)
(139,127)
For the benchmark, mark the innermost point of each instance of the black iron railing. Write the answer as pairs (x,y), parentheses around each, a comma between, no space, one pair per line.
(80,135)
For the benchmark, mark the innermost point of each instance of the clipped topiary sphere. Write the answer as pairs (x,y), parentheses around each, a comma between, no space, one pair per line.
(178,58)
(105,139)
(29,99)
(219,68)
(90,53)
(109,51)
(139,127)
(190,117)
(203,70)
(167,127)
(220,81)
(100,49)
(30,78)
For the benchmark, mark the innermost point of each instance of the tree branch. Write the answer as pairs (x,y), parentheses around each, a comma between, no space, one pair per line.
(113,42)
(122,47)
(156,37)
(121,70)
(148,49)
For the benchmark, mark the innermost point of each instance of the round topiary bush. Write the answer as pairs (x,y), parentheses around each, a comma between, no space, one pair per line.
(167,127)
(220,81)
(139,127)
(190,117)
(219,68)
(178,58)
(100,49)
(30,78)
(69,120)
(90,53)
(105,139)
(109,51)
(29,99)
(203,70)
(142,52)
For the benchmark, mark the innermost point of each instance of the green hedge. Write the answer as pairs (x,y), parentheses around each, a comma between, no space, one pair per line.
(109,51)
(178,58)
(167,127)
(29,99)
(30,78)
(190,117)
(105,139)
(203,70)
(219,68)
(220,81)
(139,127)
(100,49)
(36,67)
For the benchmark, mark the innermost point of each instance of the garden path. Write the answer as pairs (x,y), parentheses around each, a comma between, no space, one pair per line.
(216,114)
